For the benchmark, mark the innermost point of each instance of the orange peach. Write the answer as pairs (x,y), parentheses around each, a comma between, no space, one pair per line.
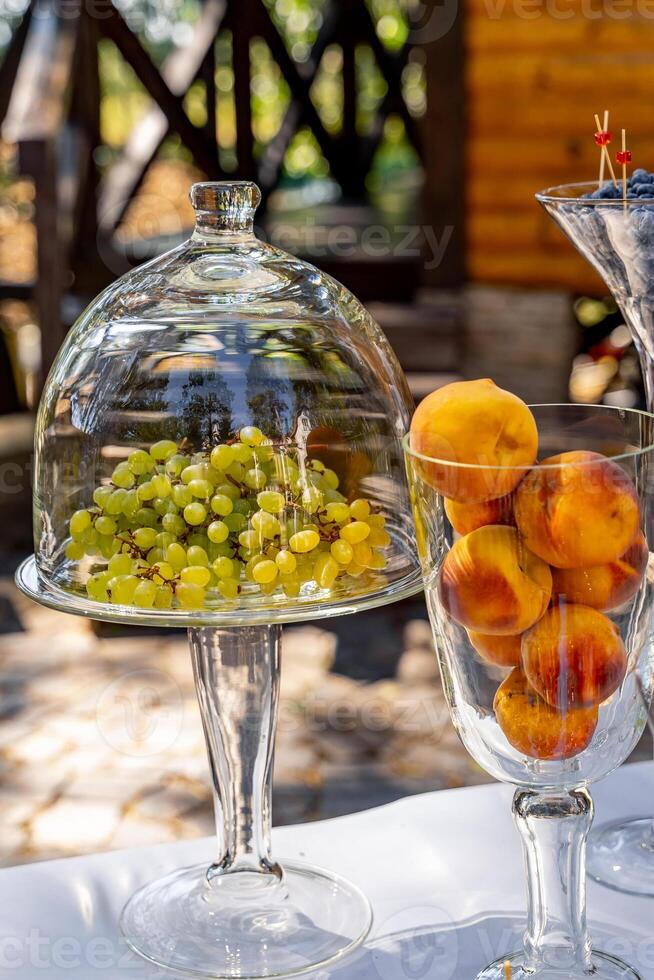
(468,517)
(606,586)
(500,651)
(490,583)
(574,657)
(577,509)
(478,424)
(534,727)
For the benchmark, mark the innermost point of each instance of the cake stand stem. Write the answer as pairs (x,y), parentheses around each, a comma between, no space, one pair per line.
(237,679)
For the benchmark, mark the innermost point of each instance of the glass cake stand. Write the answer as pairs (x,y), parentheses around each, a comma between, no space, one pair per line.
(221,336)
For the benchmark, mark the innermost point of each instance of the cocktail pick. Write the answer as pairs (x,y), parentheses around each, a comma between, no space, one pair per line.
(623,157)
(605,128)
(508,970)
(603,138)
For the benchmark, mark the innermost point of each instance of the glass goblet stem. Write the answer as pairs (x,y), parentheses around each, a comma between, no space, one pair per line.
(237,680)
(554,828)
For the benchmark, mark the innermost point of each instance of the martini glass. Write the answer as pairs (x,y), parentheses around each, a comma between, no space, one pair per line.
(546,691)
(209,347)
(618,241)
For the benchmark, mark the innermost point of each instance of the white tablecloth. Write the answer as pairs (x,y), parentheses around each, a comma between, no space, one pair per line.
(443,872)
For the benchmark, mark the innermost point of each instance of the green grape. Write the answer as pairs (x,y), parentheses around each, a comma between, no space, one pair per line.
(164,505)
(140,462)
(355,532)
(224,550)
(173,523)
(333,497)
(105,525)
(251,564)
(198,538)
(190,596)
(161,485)
(267,525)
(96,587)
(195,575)
(108,547)
(286,562)
(377,520)
(265,572)
(144,594)
(217,532)
(195,514)
(242,506)
(145,537)
(355,570)
(267,588)
(123,477)
(195,471)
(145,491)
(337,512)
(249,540)
(175,464)
(271,501)
(228,490)
(74,550)
(114,503)
(342,552)
(331,479)
(146,517)
(378,561)
(304,541)
(163,450)
(291,585)
(101,496)
(236,522)
(228,588)
(311,499)
(200,488)
(360,509)
(255,478)
(79,522)
(182,496)
(242,454)
(176,555)
(222,457)
(163,539)
(325,571)
(164,572)
(236,471)
(378,537)
(122,588)
(264,452)
(163,598)
(195,555)
(362,553)
(130,503)
(251,436)
(224,567)
(155,555)
(120,565)
(221,504)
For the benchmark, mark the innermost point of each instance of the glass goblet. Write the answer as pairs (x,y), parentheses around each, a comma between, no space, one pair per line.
(541,604)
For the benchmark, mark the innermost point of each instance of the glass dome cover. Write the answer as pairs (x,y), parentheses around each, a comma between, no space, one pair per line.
(224,345)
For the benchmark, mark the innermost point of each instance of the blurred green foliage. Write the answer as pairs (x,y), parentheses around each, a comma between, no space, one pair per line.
(163,25)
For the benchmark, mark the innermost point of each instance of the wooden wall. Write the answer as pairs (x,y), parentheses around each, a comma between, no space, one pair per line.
(536,71)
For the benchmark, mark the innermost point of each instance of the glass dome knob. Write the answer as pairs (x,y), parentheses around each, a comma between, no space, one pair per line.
(225,205)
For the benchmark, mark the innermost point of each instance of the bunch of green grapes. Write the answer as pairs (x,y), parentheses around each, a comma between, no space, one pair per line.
(184,529)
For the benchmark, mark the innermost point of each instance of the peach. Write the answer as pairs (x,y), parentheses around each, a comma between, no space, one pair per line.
(582,511)
(500,651)
(468,517)
(490,583)
(574,657)
(534,727)
(475,423)
(606,586)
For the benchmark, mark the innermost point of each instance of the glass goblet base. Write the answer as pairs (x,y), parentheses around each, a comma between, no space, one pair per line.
(246,924)
(605,968)
(621,856)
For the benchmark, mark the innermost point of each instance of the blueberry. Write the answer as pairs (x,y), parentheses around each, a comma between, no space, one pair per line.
(640,174)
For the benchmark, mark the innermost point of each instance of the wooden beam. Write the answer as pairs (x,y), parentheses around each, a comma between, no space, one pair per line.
(37,103)
(443,140)
(179,71)
(240,23)
(116,29)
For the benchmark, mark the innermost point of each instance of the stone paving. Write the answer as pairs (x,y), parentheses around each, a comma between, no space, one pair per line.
(101,745)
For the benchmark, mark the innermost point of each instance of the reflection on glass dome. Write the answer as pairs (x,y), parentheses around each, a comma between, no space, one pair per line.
(205,410)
